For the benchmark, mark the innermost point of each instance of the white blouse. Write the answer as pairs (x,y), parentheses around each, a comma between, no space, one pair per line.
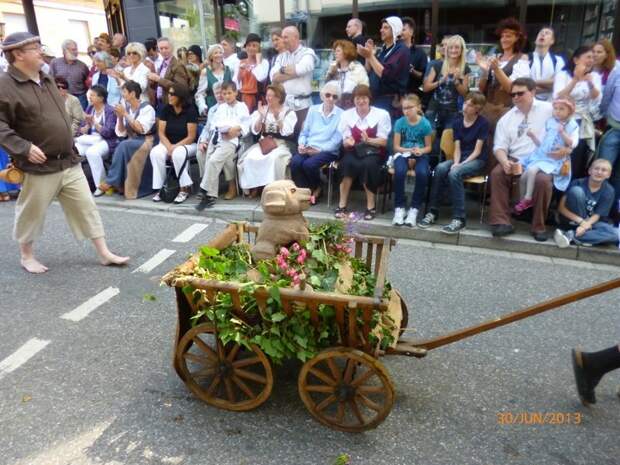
(580,93)
(139,75)
(376,117)
(271,122)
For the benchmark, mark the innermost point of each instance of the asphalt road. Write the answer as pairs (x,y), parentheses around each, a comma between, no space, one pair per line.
(101,390)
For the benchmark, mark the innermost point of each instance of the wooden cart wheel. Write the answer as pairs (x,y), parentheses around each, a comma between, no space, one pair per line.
(346,389)
(229,376)
(405,321)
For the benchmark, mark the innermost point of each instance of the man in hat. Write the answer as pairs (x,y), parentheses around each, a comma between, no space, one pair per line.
(388,67)
(35,130)
(48,56)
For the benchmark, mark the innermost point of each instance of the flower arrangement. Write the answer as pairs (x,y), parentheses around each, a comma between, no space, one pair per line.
(315,265)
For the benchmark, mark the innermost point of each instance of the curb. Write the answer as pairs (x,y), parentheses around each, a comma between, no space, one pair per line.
(478,238)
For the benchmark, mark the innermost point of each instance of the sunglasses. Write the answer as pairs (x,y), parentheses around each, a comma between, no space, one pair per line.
(91,53)
(62,87)
(517,94)
(133,53)
(328,95)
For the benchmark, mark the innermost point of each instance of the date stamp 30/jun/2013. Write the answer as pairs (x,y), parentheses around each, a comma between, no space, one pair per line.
(538,418)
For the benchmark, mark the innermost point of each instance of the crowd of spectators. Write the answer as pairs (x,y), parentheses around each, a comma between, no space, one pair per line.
(385,112)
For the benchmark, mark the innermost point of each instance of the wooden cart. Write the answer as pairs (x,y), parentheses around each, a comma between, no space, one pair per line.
(344,387)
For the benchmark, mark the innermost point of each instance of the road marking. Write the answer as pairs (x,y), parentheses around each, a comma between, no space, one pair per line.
(21,356)
(91,304)
(151,264)
(190,232)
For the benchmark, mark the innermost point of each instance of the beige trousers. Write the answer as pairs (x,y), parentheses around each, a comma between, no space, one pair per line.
(222,158)
(70,187)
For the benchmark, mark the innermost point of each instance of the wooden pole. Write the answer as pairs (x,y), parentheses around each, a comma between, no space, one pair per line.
(355,13)
(31,17)
(522,11)
(282,14)
(434,27)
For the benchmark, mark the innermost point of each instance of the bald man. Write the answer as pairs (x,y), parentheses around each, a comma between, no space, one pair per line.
(293,69)
(354,30)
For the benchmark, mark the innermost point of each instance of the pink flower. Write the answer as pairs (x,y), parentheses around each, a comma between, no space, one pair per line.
(296,280)
(291,272)
(284,252)
(301,259)
(296,247)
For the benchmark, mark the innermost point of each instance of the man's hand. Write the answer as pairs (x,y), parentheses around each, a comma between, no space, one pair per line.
(580,231)
(560,152)
(153,77)
(507,167)
(36,155)
(289,70)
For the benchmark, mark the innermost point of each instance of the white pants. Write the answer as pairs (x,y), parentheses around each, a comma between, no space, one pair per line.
(159,153)
(94,148)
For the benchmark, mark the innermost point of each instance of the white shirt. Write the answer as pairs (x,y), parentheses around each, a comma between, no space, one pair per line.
(544,70)
(207,132)
(157,61)
(520,69)
(376,117)
(511,131)
(299,89)
(4,64)
(271,123)
(354,75)
(139,75)
(580,93)
(145,116)
(228,116)
(232,61)
(259,70)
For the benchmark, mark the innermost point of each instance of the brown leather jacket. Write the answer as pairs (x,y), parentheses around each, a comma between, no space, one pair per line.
(35,114)
(176,72)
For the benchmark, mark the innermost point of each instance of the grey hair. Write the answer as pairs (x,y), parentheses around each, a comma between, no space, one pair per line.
(105,57)
(330,87)
(136,47)
(357,22)
(67,42)
(217,86)
(165,39)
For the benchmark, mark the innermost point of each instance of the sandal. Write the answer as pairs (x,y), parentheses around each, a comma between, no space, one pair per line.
(340,212)
(370,214)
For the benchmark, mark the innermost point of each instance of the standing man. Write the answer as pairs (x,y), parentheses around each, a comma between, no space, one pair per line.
(355,33)
(388,68)
(293,69)
(169,72)
(119,41)
(512,143)
(230,53)
(417,58)
(544,64)
(73,70)
(35,130)
(590,367)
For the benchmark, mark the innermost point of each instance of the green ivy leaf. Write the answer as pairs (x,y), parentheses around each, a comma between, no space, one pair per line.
(278,316)
(209,251)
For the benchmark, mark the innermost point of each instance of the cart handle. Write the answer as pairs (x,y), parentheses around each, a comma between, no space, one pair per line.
(454,336)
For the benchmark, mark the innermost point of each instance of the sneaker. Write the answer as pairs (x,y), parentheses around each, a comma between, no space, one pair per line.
(157,198)
(454,227)
(181,197)
(399,216)
(429,218)
(206,202)
(581,243)
(412,216)
(562,239)
(98,192)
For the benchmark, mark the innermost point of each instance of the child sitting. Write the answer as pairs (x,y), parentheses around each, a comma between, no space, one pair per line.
(412,141)
(560,130)
(230,121)
(585,208)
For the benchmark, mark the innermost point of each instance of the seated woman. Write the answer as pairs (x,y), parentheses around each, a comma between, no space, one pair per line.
(104,64)
(98,138)
(319,141)
(178,124)
(274,120)
(129,172)
(72,104)
(470,158)
(364,130)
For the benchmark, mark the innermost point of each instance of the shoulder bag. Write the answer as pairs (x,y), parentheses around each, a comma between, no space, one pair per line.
(172,186)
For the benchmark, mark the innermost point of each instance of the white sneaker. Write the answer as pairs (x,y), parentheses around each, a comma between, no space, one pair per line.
(98,192)
(157,198)
(181,197)
(562,239)
(412,217)
(399,216)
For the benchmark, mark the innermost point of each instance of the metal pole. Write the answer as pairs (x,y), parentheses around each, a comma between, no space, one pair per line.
(203,32)
(355,12)
(282,15)
(31,17)
(434,26)
(522,11)
(218,21)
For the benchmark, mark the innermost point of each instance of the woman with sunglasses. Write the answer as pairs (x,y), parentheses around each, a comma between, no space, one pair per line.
(194,66)
(577,81)
(136,71)
(346,72)
(177,128)
(72,104)
(319,141)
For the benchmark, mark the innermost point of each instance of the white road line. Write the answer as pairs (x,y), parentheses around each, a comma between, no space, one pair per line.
(91,304)
(21,356)
(190,232)
(158,259)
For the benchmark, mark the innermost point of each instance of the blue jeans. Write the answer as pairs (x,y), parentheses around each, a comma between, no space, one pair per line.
(609,149)
(454,179)
(440,120)
(306,169)
(422,173)
(601,232)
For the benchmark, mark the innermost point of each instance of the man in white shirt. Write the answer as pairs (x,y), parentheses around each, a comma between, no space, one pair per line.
(544,64)
(293,69)
(512,143)
(230,54)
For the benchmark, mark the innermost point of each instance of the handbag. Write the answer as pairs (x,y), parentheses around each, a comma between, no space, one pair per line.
(12,175)
(362,150)
(172,186)
(267,144)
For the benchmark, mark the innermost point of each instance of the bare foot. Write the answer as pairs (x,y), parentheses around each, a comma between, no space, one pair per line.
(111,259)
(32,265)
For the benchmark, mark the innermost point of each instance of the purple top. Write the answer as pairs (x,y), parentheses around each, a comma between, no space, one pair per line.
(75,73)
(610,104)
(109,123)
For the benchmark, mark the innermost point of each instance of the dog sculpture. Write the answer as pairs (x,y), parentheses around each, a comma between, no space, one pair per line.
(283,221)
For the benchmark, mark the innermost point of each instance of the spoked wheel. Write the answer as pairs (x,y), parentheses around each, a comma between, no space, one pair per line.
(346,389)
(229,376)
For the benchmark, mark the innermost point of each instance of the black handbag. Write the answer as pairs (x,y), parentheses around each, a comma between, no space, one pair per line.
(172,185)
(363,150)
